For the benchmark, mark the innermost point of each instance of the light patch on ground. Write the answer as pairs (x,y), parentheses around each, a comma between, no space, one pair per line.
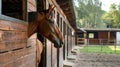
(113,47)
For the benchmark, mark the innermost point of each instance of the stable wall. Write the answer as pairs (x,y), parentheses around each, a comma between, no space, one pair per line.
(14,51)
(15,48)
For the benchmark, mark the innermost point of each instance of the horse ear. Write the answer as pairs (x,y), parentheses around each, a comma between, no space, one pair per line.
(51,8)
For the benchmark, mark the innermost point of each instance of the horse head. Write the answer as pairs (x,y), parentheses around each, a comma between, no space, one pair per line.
(45,25)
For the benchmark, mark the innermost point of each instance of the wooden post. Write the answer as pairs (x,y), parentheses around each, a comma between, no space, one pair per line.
(24,10)
(87,44)
(84,38)
(101,44)
(108,36)
(67,38)
(115,45)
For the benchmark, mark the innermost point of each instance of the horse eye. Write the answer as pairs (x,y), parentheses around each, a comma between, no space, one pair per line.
(51,21)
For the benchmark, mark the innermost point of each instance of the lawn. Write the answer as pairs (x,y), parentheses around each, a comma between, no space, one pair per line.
(99,49)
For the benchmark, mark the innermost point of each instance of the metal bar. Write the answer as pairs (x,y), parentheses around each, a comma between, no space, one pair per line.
(57,57)
(67,40)
(51,54)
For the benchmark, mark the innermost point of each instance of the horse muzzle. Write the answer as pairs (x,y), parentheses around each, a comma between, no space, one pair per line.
(58,44)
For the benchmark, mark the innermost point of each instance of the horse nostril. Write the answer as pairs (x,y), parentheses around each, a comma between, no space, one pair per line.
(62,43)
(57,46)
(57,43)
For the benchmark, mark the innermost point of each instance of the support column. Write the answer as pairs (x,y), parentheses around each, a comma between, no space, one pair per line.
(108,36)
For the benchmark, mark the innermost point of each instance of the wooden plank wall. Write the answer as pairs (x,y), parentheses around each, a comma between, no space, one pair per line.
(31,4)
(15,48)
(66,29)
(14,51)
(104,38)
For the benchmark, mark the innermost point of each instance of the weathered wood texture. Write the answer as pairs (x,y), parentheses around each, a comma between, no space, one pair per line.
(52,55)
(31,4)
(14,51)
(52,52)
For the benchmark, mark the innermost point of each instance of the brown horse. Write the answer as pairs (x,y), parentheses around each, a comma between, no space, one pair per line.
(44,25)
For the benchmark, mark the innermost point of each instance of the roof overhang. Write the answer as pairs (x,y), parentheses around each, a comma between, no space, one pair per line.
(103,29)
(67,7)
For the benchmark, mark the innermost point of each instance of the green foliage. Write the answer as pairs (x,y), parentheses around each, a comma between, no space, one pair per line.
(113,16)
(88,13)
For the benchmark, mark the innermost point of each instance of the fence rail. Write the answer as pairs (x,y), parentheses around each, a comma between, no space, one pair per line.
(101,41)
(102,46)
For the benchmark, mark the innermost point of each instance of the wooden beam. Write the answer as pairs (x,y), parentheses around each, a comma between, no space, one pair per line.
(17,1)
(24,10)
(11,1)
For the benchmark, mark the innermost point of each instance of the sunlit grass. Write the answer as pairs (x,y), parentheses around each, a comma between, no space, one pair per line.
(99,49)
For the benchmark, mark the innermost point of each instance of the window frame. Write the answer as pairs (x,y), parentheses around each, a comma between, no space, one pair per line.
(91,35)
(12,19)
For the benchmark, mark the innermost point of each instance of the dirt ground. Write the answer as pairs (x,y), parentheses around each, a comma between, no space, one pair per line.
(96,60)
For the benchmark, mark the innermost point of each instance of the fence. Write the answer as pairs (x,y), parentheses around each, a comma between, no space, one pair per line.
(102,46)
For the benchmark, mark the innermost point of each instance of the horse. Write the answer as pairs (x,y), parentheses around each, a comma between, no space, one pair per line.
(45,26)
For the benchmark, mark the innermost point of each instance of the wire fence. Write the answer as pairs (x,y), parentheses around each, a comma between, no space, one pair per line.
(102,46)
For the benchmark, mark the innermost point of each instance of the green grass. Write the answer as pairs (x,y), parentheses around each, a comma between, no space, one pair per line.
(99,49)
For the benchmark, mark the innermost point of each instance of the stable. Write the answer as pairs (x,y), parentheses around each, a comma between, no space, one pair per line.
(17,50)
(96,36)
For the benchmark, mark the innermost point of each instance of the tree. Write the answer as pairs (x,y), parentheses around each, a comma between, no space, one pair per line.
(113,16)
(88,13)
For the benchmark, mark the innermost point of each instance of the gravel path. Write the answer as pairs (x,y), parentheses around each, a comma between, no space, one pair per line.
(96,60)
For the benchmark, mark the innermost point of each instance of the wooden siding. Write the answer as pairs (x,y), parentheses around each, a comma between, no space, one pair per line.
(31,4)
(103,35)
(66,29)
(14,51)
(104,38)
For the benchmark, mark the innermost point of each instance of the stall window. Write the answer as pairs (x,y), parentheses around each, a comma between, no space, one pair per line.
(91,35)
(14,8)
